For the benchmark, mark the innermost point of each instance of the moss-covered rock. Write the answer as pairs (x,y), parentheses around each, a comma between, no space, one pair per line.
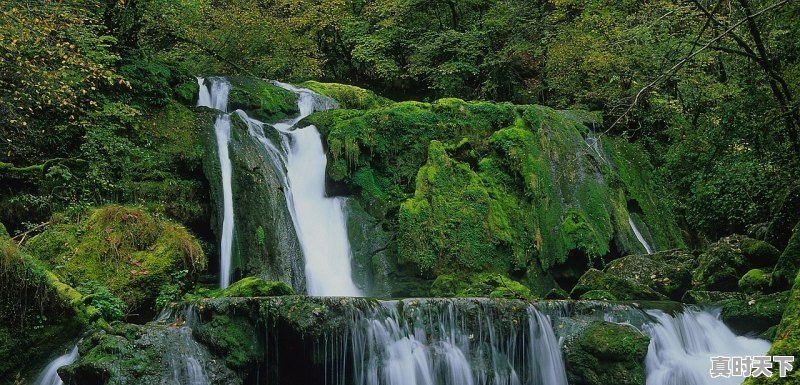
(557,293)
(701,297)
(669,277)
(347,96)
(36,310)
(598,295)
(725,261)
(755,281)
(487,285)
(789,261)
(257,287)
(621,288)
(231,337)
(606,353)
(754,314)
(261,100)
(125,249)
(787,340)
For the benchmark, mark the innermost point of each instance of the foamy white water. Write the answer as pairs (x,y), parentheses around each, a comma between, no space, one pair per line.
(681,348)
(217,98)
(49,375)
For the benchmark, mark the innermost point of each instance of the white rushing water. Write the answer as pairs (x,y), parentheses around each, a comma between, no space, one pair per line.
(681,348)
(217,98)
(639,236)
(437,342)
(319,220)
(49,375)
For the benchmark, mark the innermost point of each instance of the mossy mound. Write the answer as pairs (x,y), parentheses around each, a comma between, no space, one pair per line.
(231,337)
(261,100)
(347,96)
(606,353)
(125,249)
(661,272)
(36,310)
(789,261)
(598,295)
(755,281)
(487,285)
(619,287)
(787,340)
(494,187)
(754,314)
(725,261)
(257,287)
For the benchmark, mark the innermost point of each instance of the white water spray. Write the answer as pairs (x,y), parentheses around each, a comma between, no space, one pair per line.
(681,348)
(49,375)
(217,98)
(639,236)
(319,220)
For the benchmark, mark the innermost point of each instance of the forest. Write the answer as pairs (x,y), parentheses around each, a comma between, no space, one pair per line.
(273,191)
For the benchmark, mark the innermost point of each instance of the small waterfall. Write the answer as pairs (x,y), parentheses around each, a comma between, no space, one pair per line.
(49,375)
(681,347)
(218,99)
(639,236)
(185,354)
(439,342)
(319,220)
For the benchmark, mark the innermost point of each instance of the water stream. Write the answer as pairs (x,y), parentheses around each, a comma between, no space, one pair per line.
(49,375)
(639,236)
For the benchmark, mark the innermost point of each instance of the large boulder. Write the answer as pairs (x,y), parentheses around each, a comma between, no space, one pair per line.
(620,288)
(257,287)
(789,261)
(490,285)
(724,262)
(755,314)
(786,342)
(606,353)
(132,253)
(665,272)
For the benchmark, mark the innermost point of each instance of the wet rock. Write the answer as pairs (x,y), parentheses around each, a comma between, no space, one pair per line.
(606,353)
(703,297)
(622,288)
(665,273)
(754,314)
(725,261)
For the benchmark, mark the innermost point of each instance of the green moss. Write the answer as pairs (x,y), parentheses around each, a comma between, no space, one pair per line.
(755,281)
(789,261)
(621,288)
(261,100)
(122,248)
(257,287)
(754,314)
(725,261)
(659,271)
(479,285)
(787,339)
(350,97)
(232,338)
(606,353)
(598,295)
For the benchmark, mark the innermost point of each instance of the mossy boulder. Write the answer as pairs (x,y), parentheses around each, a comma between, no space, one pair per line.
(257,287)
(606,353)
(598,295)
(755,281)
(36,310)
(621,288)
(787,340)
(557,293)
(125,249)
(789,261)
(754,314)
(261,100)
(702,297)
(347,96)
(231,337)
(487,285)
(722,263)
(669,277)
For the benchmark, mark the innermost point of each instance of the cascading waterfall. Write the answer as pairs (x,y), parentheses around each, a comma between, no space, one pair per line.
(217,98)
(49,375)
(319,220)
(439,342)
(681,348)
(639,236)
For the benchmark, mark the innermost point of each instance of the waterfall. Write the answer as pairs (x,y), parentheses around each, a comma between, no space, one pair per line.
(639,236)
(440,342)
(49,375)
(319,220)
(681,347)
(218,99)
